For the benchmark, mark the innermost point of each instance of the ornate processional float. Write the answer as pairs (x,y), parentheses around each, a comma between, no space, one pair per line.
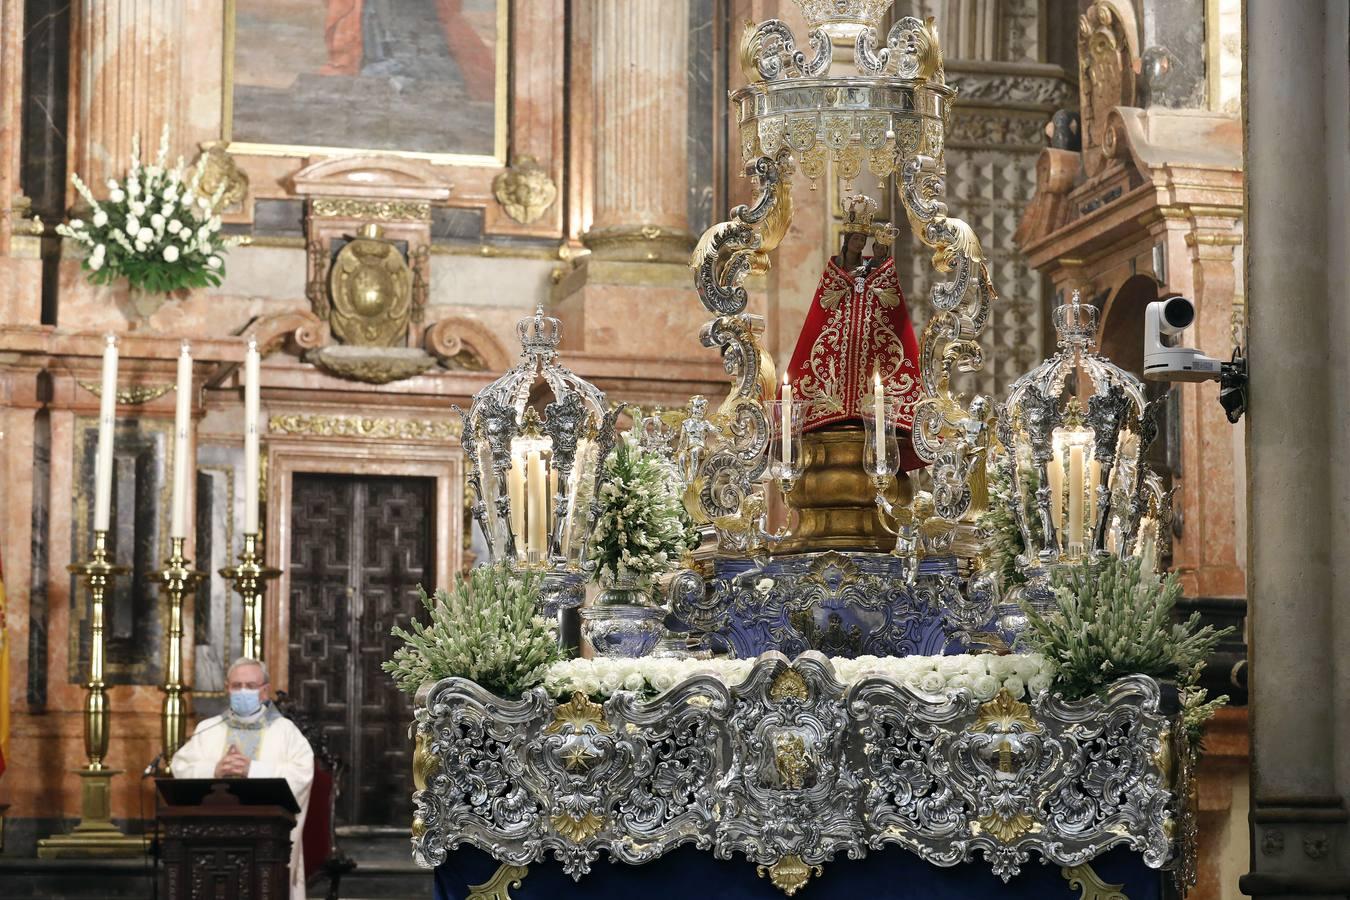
(981,673)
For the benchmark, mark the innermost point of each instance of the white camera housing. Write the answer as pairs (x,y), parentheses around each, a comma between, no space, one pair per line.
(1164,363)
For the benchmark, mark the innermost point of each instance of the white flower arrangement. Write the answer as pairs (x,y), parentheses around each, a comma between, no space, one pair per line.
(1022,674)
(643,528)
(155,229)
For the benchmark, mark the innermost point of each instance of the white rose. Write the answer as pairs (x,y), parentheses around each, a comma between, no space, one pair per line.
(166,210)
(588,685)
(984,687)
(100,218)
(961,681)
(133,225)
(96,262)
(174,226)
(117,195)
(77,224)
(1027,666)
(171,253)
(634,681)
(188,199)
(932,683)
(112,184)
(1015,686)
(213,262)
(157,221)
(950,665)
(146,235)
(1002,666)
(1038,684)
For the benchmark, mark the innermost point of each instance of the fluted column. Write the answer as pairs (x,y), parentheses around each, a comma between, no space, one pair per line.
(638,101)
(127,80)
(1297,433)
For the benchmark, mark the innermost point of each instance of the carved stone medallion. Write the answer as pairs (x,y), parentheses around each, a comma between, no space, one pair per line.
(1106,74)
(525,190)
(371,288)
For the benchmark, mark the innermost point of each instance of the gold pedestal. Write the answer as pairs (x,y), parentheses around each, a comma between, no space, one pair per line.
(95,837)
(250,581)
(835,498)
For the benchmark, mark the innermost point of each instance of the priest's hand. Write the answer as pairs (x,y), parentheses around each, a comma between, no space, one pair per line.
(233,764)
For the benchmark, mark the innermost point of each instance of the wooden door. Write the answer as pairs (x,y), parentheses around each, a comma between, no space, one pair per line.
(360,546)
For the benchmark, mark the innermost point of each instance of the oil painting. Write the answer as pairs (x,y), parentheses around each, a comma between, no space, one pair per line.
(415,77)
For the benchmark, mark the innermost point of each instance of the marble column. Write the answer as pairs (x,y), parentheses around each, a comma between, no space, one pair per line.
(1298,446)
(638,101)
(127,79)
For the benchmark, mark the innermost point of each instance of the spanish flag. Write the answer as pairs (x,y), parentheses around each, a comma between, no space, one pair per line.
(4,673)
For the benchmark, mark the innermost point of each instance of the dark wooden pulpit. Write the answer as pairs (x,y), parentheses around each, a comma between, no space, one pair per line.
(225,838)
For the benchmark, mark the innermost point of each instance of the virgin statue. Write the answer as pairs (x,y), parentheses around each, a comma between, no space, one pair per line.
(856,329)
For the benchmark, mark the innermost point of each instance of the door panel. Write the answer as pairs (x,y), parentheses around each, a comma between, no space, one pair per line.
(359,549)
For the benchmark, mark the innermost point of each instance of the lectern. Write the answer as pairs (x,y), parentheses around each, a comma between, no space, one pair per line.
(226,837)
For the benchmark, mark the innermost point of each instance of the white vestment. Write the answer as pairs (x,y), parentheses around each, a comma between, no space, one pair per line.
(283,753)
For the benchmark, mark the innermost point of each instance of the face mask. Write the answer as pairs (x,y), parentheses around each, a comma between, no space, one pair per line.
(244,702)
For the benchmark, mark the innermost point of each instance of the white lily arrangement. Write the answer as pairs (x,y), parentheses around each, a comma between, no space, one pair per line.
(155,229)
(1021,674)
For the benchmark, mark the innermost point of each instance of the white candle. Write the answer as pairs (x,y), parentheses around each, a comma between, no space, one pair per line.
(579,464)
(107,422)
(1056,473)
(785,408)
(879,413)
(537,488)
(1148,544)
(252,374)
(515,491)
(182,422)
(1094,479)
(1075,537)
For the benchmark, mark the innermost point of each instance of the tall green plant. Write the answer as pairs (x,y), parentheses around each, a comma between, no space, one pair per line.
(1116,619)
(486,629)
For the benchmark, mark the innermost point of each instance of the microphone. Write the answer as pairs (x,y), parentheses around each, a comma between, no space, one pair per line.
(150,769)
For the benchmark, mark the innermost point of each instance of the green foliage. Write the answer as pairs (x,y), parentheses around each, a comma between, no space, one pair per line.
(643,528)
(154,228)
(486,629)
(998,524)
(1115,619)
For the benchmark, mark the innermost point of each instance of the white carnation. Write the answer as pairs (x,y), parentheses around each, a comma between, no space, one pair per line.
(171,253)
(146,235)
(174,226)
(116,195)
(100,218)
(157,222)
(213,262)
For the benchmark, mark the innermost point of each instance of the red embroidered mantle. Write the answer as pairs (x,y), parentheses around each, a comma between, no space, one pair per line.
(854,325)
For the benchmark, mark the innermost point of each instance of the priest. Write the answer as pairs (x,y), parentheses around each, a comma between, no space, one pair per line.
(253,740)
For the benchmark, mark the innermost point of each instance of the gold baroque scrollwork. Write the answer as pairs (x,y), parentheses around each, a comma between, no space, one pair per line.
(525,190)
(788,685)
(499,886)
(132,396)
(219,172)
(1083,878)
(382,210)
(789,874)
(365,426)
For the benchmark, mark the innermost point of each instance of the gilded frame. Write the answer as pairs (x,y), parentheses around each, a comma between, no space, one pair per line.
(501,111)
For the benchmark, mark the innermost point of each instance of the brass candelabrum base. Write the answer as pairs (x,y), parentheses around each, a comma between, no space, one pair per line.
(95,835)
(177,580)
(250,580)
(834,497)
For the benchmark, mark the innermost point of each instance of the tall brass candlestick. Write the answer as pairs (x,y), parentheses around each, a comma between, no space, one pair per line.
(177,579)
(250,578)
(95,835)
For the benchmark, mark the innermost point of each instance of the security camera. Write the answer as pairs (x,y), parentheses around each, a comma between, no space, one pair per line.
(1162,362)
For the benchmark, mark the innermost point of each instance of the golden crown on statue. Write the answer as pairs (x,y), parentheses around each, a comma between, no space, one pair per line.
(859,210)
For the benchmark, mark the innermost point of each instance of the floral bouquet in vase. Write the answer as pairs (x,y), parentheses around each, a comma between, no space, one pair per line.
(155,229)
(643,528)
